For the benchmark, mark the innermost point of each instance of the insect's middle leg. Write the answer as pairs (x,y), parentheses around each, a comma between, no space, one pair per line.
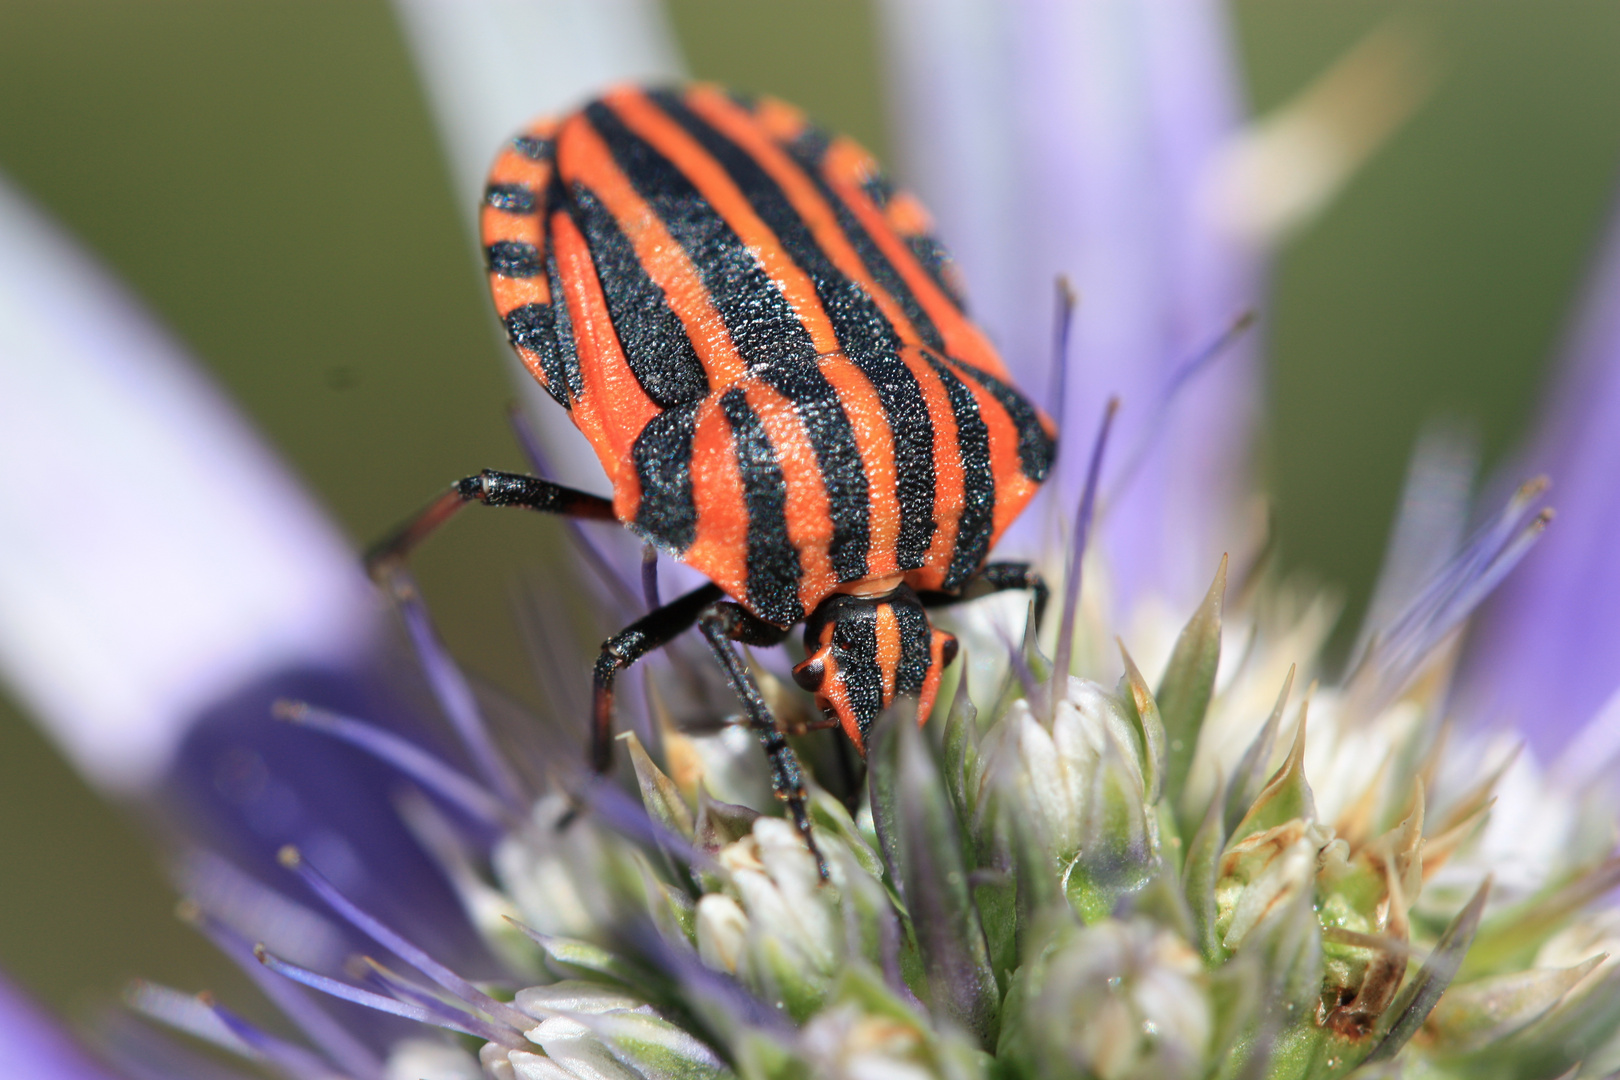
(993,578)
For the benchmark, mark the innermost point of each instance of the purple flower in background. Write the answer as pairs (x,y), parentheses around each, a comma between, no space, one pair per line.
(32,1045)
(1120,878)
(1546,656)
(179,584)
(1078,139)
(478,62)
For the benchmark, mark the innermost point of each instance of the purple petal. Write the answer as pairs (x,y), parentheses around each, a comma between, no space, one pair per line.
(165,581)
(245,785)
(490,67)
(1054,137)
(33,1046)
(1546,653)
(156,555)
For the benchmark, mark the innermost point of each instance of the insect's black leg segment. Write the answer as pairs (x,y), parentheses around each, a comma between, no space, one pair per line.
(492,489)
(787,778)
(532,493)
(993,578)
(1001,576)
(651,631)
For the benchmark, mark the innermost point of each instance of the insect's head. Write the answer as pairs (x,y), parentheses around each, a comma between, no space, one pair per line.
(864,651)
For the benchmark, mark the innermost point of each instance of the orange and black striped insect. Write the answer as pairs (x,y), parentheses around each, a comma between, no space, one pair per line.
(766,347)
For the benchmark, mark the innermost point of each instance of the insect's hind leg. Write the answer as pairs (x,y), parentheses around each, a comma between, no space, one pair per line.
(721,625)
(491,488)
(993,578)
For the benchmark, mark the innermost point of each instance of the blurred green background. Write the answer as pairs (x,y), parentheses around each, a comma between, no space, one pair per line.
(265,176)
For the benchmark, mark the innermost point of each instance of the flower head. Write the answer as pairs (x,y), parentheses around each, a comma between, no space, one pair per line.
(1228,866)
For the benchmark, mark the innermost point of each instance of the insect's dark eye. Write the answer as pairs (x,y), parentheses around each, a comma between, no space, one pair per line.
(947,651)
(810,674)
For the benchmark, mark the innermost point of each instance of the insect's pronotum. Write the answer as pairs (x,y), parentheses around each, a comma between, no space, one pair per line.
(766,347)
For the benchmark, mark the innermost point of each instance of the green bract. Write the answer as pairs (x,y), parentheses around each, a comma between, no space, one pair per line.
(1081,881)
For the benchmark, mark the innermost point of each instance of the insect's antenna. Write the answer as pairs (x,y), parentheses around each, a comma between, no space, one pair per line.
(1064,657)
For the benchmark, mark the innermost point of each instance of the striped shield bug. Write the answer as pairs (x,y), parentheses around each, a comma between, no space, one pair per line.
(766,347)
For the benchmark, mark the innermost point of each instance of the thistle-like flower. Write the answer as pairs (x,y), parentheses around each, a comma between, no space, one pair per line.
(1148,839)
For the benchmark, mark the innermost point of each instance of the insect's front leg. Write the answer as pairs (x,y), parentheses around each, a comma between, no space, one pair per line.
(491,488)
(651,631)
(721,625)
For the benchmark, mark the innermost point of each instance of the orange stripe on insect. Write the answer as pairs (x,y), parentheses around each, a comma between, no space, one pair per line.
(612,409)
(942,648)
(950,488)
(888,649)
(907,215)
(497,226)
(512,293)
(735,124)
(845,167)
(582,157)
(512,167)
(1013,488)
(911,220)
(781,121)
(719,548)
(710,179)
(809,521)
(874,440)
